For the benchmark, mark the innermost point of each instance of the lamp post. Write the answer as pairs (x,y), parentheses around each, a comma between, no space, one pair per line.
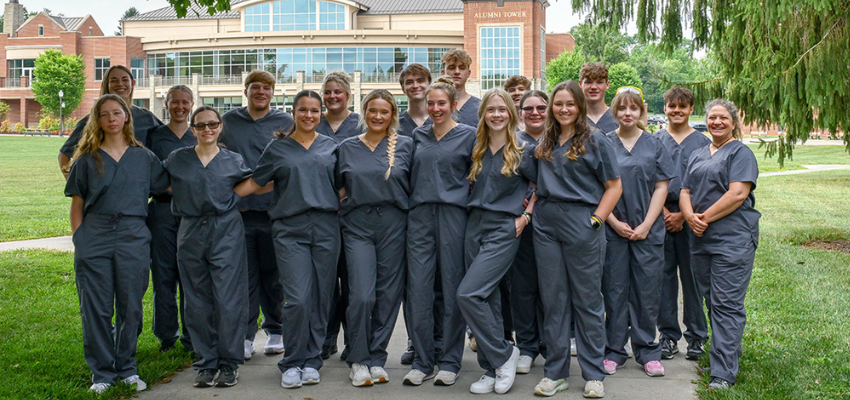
(61,121)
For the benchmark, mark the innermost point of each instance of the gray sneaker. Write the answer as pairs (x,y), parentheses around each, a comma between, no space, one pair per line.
(135,380)
(415,377)
(594,390)
(310,376)
(291,378)
(274,345)
(227,376)
(205,378)
(445,378)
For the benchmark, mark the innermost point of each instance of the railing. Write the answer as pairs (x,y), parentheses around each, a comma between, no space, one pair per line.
(221,80)
(11,82)
(389,77)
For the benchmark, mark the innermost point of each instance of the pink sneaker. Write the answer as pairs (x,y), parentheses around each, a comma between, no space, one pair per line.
(610,366)
(654,368)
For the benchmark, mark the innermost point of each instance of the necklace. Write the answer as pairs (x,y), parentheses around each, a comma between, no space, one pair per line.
(370,145)
(716,147)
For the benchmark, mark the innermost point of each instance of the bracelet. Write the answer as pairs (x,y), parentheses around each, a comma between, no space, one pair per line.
(595,221)
(527,216)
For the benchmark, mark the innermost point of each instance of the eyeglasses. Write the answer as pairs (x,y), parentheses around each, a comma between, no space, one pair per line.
(202,126)
(631,89)
(529,109)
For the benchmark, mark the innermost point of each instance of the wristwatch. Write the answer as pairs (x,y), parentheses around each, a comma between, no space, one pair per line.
(595,222)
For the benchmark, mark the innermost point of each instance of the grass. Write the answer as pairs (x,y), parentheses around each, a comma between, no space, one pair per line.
(803,155)
(41,336)
(795,344)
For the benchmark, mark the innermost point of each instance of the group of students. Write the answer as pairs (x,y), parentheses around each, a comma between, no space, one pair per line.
(479,213)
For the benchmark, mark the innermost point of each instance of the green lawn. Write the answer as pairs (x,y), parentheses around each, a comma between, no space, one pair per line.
(803,155)
(41,338)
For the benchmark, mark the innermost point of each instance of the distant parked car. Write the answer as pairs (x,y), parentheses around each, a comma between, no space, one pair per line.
(700,126)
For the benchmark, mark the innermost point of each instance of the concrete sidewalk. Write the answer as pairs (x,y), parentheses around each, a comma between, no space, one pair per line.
(55,243)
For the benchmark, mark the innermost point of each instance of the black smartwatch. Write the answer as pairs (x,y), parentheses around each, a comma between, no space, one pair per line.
(595,222)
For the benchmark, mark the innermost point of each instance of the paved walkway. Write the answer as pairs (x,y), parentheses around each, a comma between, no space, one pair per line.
(809,168)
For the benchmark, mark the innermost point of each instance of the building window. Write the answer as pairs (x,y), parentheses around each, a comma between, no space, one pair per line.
(100,67)
(295,15)
(500,54)
(89,31)
(137,68)
(41,30)
(222,104)
(18,69)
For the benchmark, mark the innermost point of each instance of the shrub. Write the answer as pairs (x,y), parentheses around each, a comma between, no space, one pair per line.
(19,127)
(6,126)
(49,123)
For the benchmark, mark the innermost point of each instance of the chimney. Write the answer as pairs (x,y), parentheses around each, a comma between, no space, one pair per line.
(13,17)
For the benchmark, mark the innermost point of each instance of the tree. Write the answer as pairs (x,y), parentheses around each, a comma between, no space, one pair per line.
(600,43)
(565,66)
(53,72)
(620,75)
(782,62)
(131,12)
(209,6)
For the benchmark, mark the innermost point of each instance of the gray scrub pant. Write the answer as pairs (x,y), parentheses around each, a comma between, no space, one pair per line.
(111,264)
(264,287)
(435,235)
(213,268)
(526,308)
(723,277)
(165,276)
(307,248)
(631,286)
(339,303)
(489,249)
(677,265)
(374,249)
(570,254)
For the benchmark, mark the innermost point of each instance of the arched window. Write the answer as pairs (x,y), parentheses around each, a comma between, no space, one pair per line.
(295,15)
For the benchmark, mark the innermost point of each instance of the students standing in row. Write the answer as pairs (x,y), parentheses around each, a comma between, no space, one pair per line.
(247,130)
(634,257)
(457,64)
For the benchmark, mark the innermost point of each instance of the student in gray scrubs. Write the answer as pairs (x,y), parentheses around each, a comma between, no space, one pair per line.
(118,81)
(163,226)
(501,172)
(211,248)
(457,64)
(634,258)
(110,180)
(681,140)
(247,130)
(339,124)
(436,225)
(718,203)
(305,225)
(373,174)
(578,184)
(526,308)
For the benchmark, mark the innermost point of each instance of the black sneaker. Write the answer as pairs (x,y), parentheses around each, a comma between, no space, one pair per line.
(327,351)
(226,376)
(166,346)
(407,357)
(719,383)
(205,378)
(695,351)
(668,348)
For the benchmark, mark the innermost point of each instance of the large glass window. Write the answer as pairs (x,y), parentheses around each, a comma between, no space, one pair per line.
(17,69)
(257,18)
(137,68)
(222,104)
(500,54)
(100,67)
(295,15)
(331,16)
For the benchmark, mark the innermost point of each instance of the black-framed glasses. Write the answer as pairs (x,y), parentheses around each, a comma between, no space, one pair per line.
(529,109)
(202,126)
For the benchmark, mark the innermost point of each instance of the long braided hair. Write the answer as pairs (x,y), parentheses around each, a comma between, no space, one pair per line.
(392,135)
(553,128)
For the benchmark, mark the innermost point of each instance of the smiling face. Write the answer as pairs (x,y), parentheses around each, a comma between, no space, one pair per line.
(594,89)
(121,83)
(307,112)
(211,127)
(496,114)
(440,107)
(335,97)
(379,115)
(720,123)
(259,96)
(459,73)
(564,108)
(627,114)
(678,113)
(414,86)
(180,105)
(535,118)
(516,93)
(112,117)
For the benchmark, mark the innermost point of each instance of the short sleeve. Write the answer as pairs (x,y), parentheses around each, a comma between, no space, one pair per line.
(743,166)
(528,164)
(607,168)
(77,184)
(243,171)
(264,173)
(664,168)
(159,177)
(74,138)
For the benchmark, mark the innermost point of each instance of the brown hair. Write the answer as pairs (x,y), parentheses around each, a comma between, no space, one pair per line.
(732,109)
(534,93)
(628,96)
(680,95)
(182,88)
(392,135)
(511,152)
(415,69)
(517,80)
(340,78)
(456,56)
(93,135)
(553,128)
(593,71)
(104,84)
(446,84)
(298,97)
(202,109)
(261,76)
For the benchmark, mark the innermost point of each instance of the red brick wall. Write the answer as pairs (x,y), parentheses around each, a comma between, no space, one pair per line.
(557,43)
(530,14)
(30,29)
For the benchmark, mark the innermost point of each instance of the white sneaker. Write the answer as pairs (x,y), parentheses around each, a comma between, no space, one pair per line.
(445,378)
(135,380)
(415,377)
(524,364)
(274,345)
(506,373)
(249,349)
(99,387)
(594,390)
(573,351)
(547,387)
(379,375)
(473,344)
(360,375)
(484,385)
(310,376)
(291,379)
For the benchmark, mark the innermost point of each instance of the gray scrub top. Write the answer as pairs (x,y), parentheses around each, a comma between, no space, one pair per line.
(524,137)
(243,135)
(440,167)
(581,180)
(708,178)
(647,163)
(303,178)
(606,123)
(348,128)
(162,141)
(680,153)
(493,191)
(468,114)
(143,122)
(406,124)
(361,172)
(124,186)
(204,191)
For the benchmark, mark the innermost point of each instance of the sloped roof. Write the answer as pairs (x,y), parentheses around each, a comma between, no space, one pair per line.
(70,23)
(373,7)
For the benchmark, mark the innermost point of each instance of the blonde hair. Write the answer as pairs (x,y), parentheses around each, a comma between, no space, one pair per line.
(93,135)
(392,135)
(511,152)
(625,97)
(446,84)
(456,56)
(182,88)
(732,109)
(261,76)
(553,127)
(340,78)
